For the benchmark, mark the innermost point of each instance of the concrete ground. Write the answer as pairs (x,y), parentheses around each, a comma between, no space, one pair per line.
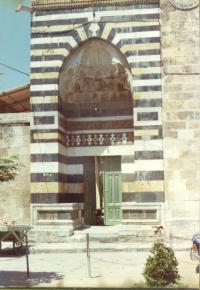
(108,269)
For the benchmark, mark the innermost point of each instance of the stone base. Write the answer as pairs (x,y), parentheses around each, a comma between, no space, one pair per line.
(50,235)
(182,228)
(116,233)
(141,214)
(54,223)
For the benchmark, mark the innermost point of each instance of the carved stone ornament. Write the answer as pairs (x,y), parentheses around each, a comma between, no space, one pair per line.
(184,4)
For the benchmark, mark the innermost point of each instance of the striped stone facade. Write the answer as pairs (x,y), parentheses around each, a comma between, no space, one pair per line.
(58,156)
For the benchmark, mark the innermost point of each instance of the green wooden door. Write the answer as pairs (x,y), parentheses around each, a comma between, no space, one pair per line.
(89,191)
(112,191)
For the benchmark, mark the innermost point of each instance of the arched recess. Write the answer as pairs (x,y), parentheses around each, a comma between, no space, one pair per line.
(95,86)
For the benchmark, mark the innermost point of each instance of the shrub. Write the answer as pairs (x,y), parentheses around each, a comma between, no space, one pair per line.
(8,168)
(161,267)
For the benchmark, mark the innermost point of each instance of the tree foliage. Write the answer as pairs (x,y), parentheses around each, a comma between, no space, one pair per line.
(161,267)
(8,168)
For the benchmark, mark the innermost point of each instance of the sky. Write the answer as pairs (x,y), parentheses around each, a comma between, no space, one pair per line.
(14,44)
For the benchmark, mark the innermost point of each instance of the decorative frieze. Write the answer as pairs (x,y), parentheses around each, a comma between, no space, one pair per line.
(104,139)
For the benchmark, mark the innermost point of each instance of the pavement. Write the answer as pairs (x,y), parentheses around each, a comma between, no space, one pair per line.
(108,268)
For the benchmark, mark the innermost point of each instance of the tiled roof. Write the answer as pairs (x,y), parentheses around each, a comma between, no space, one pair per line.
(15,100)
(46,4)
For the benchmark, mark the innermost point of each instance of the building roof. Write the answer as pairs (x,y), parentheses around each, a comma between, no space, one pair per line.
(15,100)
(48,4)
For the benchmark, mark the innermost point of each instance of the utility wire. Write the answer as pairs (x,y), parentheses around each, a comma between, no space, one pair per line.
(12,68)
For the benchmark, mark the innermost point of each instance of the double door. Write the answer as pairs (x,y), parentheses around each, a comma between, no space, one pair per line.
(111,178)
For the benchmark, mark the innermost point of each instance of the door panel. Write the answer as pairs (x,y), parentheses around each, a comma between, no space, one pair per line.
(89,191)
(112,191)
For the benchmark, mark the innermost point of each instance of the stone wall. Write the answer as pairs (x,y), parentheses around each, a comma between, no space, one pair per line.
(130,30)
(181,118)
(15,140)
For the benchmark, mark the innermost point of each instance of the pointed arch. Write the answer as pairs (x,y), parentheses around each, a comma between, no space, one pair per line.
(94,54)
(95,86)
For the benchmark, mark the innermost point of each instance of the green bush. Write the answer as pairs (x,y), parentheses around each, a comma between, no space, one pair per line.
(8,168)
(161,267)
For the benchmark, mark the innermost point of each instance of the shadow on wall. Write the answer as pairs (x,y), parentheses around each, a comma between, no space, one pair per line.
(19,279)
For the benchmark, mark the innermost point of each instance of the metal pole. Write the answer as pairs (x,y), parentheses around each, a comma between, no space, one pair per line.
(199,200)
(199,265)
(171,240)
(199,205)
(88,255)
(27,261)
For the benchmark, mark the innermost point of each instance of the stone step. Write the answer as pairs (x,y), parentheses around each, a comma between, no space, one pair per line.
(99,247)
(49,235)
(94,237)
(112,234)
(103,234)
(108,238)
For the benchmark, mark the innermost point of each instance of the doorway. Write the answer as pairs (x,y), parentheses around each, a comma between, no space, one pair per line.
(89,191)
(102,190)
(112,190)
